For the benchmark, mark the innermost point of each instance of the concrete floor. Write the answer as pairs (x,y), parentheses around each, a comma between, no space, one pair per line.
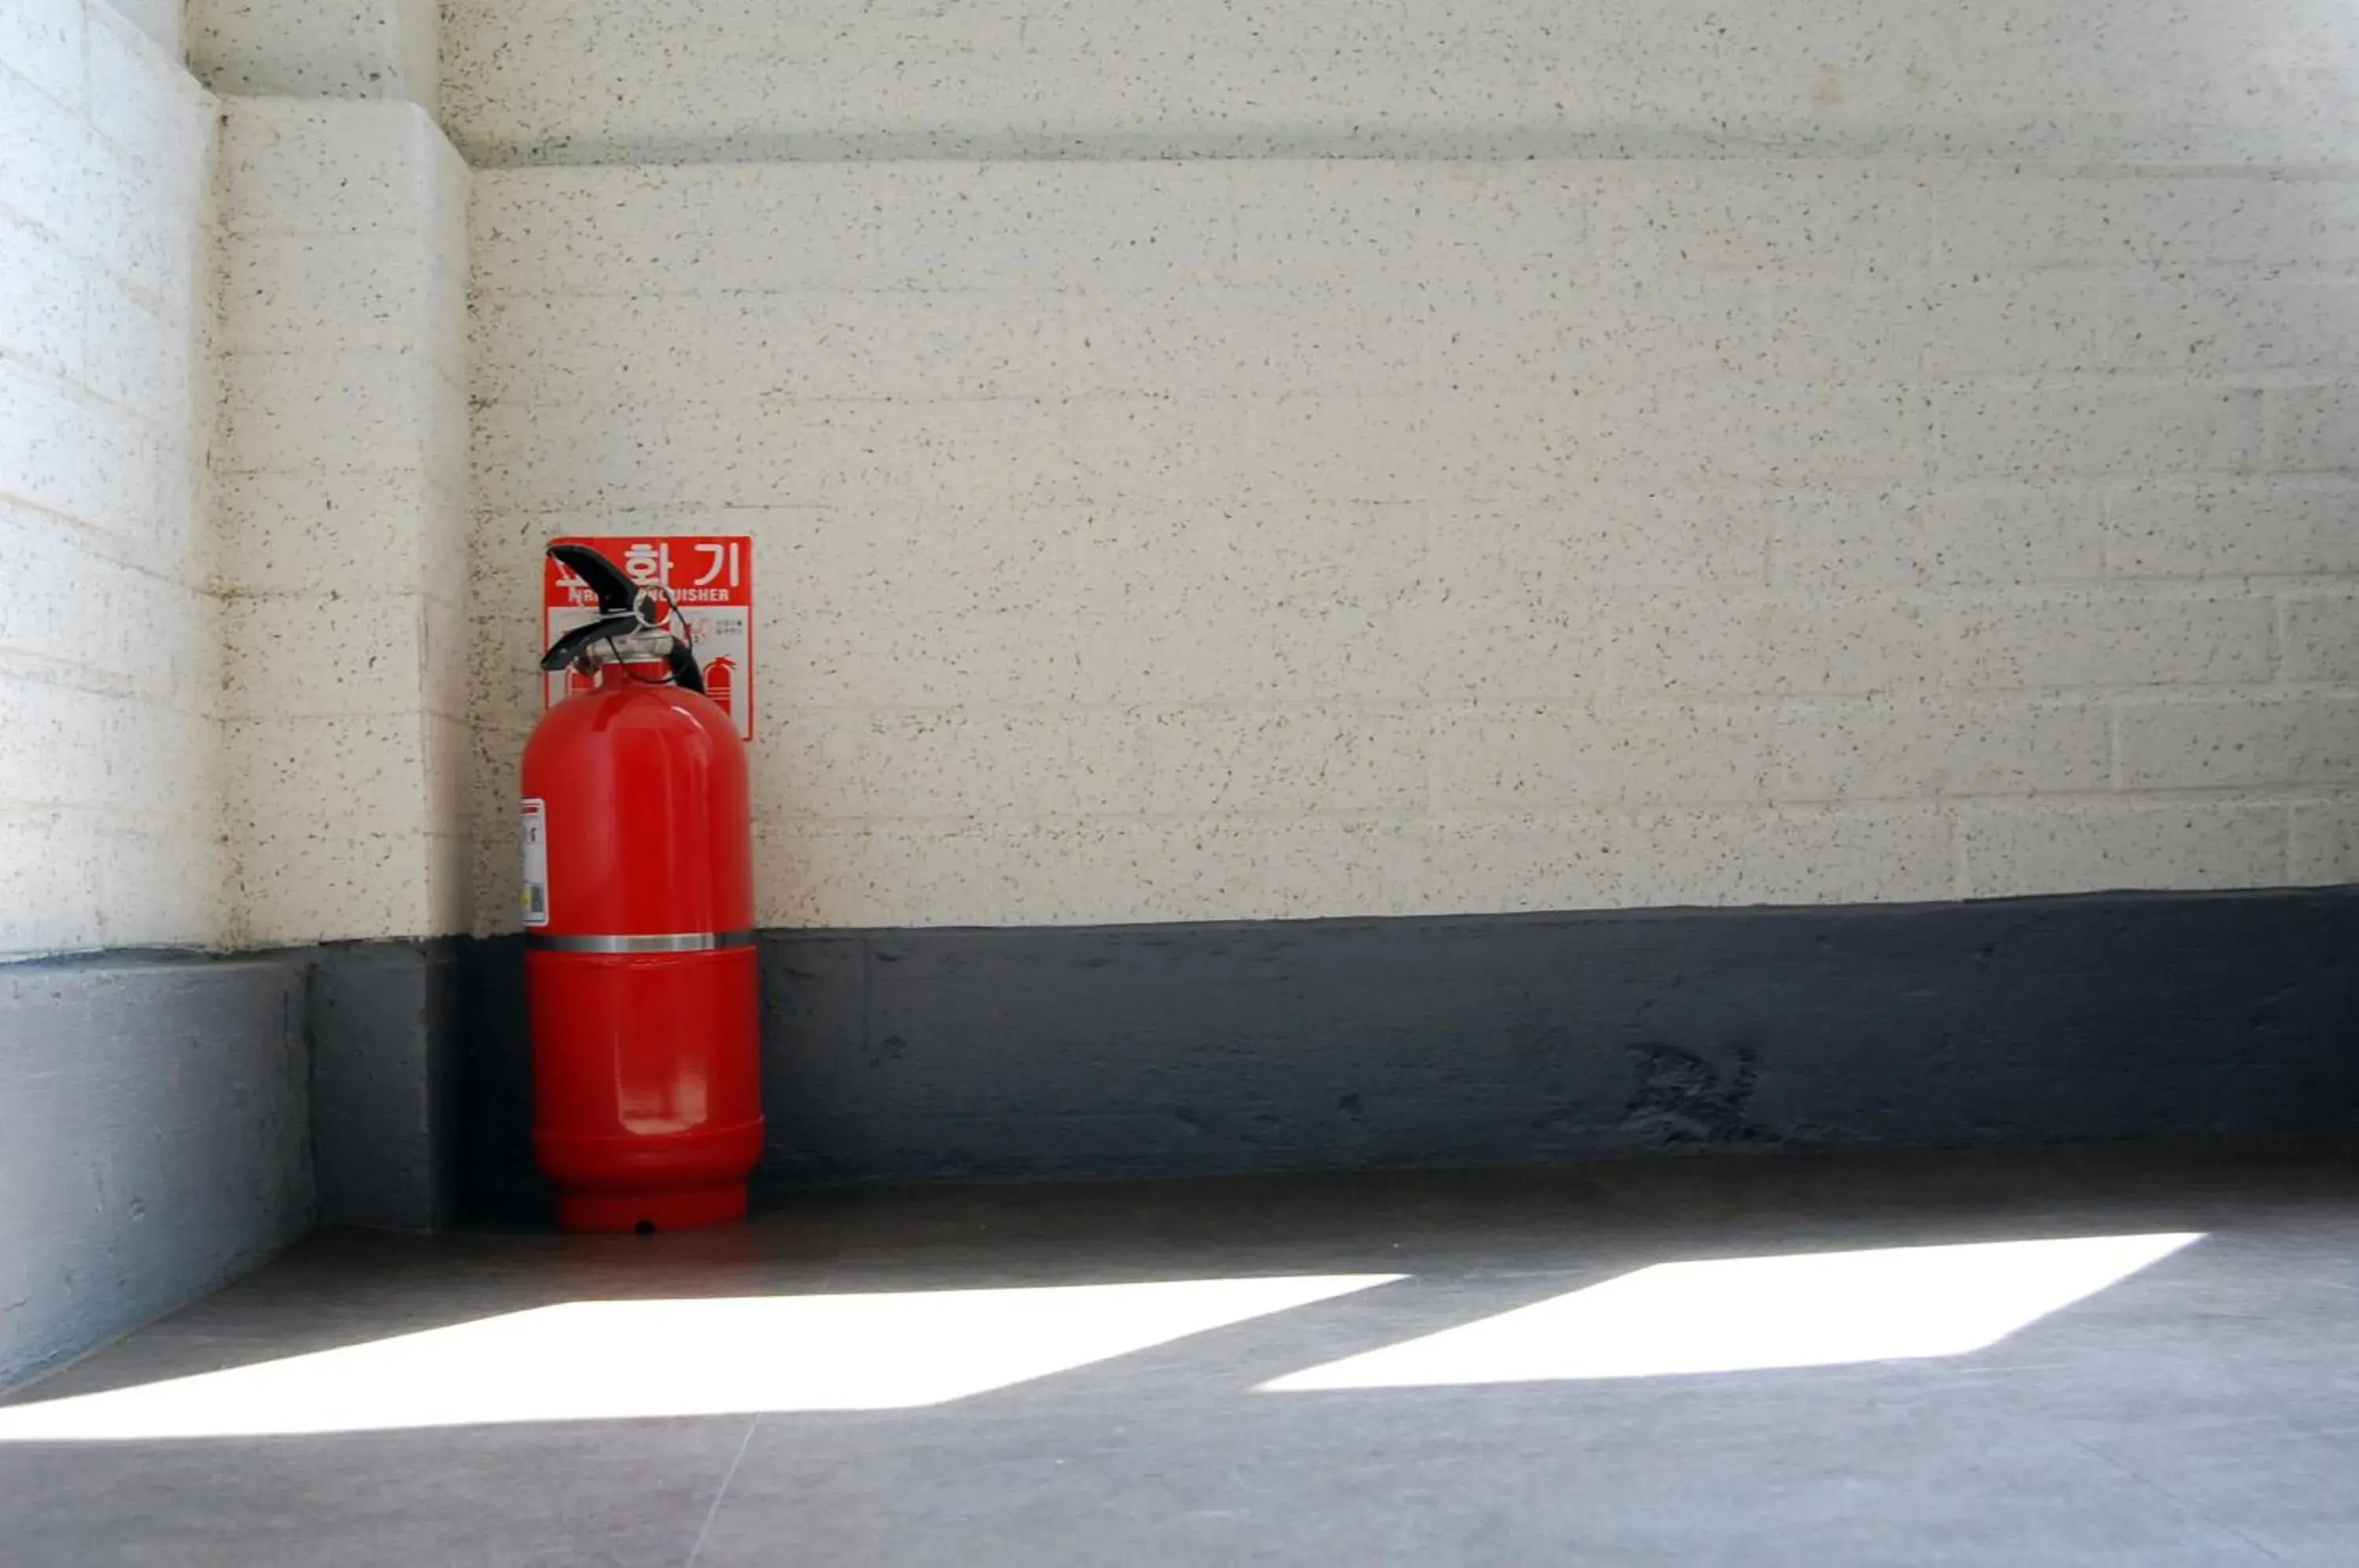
(2203,1409)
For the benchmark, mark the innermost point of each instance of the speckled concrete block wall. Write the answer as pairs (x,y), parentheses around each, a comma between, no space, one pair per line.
(343,509)
(108,798)
(1283,538)
(687,80)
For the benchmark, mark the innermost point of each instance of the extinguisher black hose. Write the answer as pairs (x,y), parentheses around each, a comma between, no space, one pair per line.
(684,670)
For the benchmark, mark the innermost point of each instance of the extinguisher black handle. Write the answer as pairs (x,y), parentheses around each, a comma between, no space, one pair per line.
(616,593)
(624,608)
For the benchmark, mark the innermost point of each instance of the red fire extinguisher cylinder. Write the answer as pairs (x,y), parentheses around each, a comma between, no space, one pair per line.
(640,969)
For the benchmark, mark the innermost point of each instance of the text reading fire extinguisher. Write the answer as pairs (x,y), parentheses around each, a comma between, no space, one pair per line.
(638,917)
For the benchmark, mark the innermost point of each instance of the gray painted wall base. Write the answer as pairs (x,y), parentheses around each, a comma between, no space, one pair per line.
(1183,1050)
(161,1119)
(154,1140)
(167,1120)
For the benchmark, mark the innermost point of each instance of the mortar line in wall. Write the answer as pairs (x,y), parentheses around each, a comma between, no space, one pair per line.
(2272,395)
(19,664)
(234,228)
(140,293)
(81,809)
(231,231)
(1961,485)
(1524,149)
(2162,696)
(1620,702)
(2256,794)
(80,112)
(249,343)
(332,470)
(2259,378)
(193,206)
(142,565)
(83,392)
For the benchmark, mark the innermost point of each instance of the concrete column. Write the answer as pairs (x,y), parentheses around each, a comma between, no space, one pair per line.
(317,48)
(341,504)
(159,19)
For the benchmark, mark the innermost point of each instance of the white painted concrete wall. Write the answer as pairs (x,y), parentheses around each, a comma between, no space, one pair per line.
(1220,540)
(109,798)
(342,471)
(687,80)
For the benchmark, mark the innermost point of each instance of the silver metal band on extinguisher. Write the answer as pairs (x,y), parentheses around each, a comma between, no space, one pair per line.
(668,941)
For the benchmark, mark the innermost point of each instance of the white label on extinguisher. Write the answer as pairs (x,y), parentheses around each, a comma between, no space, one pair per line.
(536,863)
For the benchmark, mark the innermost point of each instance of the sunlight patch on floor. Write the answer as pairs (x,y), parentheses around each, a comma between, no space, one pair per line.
(621,1360)
(1750,1314)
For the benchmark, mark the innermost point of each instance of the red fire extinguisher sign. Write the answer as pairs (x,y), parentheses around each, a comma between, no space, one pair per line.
(710,578)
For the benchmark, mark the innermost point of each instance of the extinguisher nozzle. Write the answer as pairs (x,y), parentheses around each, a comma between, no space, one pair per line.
(569,648)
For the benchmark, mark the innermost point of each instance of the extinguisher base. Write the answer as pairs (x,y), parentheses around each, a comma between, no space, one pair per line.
(654,1211)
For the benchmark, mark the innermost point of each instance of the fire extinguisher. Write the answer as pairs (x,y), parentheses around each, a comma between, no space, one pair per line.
(639,960)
